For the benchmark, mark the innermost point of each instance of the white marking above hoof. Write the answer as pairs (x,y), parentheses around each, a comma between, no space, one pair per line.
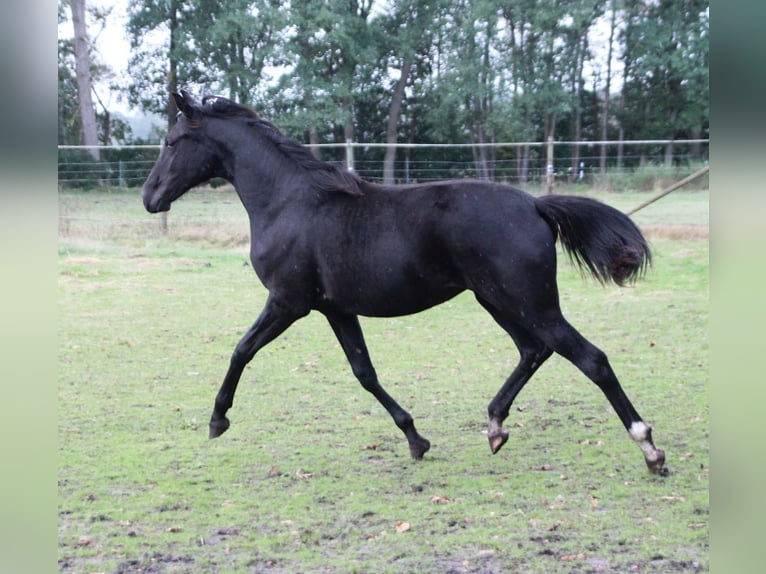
(639,431)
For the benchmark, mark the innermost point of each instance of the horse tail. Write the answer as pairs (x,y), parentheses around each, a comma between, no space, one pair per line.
(597,237)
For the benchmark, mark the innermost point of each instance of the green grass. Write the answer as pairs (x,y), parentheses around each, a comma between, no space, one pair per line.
(313,476)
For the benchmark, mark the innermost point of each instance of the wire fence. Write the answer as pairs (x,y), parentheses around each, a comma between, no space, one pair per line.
(626,163)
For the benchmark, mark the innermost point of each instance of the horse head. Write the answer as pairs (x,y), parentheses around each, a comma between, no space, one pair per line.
(188,157)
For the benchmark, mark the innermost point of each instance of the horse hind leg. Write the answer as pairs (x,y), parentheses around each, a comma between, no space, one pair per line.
(531,357)
(532,354)
(569,343)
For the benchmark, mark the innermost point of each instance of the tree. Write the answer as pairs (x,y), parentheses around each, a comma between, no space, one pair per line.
(468,76)
(69,130)
(666,69)
(581,17)
(237,40)
(332,52)
(153,67)
(84,87)
(469,71)
(608,83)
(535,54)
(409,30)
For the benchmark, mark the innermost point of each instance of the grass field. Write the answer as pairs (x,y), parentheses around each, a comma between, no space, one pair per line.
(313,476)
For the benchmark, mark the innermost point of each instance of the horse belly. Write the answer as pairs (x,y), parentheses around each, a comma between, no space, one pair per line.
(391,292)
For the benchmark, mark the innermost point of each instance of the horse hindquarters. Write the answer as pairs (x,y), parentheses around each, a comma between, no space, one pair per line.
(520,292)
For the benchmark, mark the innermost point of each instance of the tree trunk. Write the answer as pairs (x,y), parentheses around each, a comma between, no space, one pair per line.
(82,71)
(314,140)
(394,111)
(607,89)
(524,172)
(481,164)
(172,78)
(672,117)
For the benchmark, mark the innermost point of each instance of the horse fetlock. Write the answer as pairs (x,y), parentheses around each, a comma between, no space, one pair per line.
(655,457)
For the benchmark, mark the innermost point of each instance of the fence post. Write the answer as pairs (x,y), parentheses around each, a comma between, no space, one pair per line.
(549,166)
(349,155)
(407,167)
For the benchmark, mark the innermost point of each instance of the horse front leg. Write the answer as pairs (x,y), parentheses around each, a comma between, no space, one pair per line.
(273,321)
(349,334)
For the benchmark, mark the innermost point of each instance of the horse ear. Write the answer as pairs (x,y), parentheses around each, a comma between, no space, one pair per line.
(184,102)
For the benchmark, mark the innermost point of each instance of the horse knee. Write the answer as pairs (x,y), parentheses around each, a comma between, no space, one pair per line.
(367,376)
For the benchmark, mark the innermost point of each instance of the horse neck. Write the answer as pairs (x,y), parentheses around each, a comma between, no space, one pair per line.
(260,173)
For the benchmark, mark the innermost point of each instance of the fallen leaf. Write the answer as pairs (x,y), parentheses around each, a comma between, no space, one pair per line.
(570,557)
(484,553)
(402,527)
(83,541)
(173,529)
(303,475)
(440,499)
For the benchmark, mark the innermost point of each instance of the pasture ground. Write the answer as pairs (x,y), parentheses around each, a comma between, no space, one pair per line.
(313,476)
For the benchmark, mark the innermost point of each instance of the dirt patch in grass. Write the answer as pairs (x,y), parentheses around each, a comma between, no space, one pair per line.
(82,260)
(677,232)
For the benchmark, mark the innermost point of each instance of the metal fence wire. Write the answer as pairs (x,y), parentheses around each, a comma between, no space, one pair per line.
(514,163)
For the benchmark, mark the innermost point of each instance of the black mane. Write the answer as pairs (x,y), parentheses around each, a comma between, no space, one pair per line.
(325,176)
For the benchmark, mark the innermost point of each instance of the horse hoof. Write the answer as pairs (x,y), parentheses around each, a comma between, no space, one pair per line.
(497,440)
(419,448)
(657,466)
(218,427)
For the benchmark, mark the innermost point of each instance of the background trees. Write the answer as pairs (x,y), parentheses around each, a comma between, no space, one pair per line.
(428,71)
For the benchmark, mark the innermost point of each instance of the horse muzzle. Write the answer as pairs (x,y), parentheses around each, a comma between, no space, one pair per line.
(154,200)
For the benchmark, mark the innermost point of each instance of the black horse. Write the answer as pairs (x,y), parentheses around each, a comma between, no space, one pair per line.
(322,238)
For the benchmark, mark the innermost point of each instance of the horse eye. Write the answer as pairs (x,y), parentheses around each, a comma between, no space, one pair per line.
(168,143)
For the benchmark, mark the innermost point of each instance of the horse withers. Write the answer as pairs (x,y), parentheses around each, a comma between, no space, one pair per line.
(324,239)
